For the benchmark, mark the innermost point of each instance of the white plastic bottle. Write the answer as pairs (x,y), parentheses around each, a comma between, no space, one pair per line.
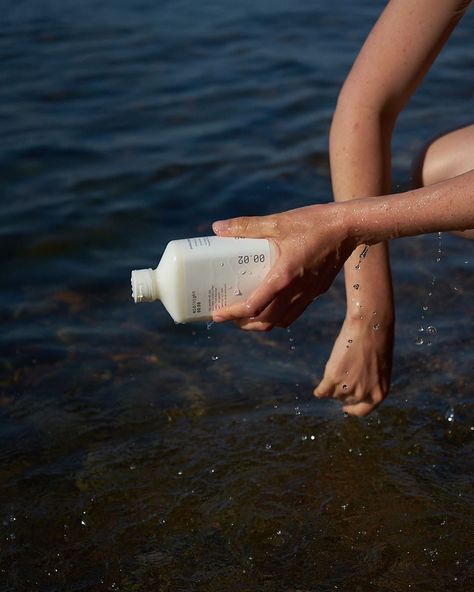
(197,276)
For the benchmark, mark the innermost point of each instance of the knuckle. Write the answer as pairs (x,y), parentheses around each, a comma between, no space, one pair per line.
(243,224)
(275,224)
(252,310)
(256,311)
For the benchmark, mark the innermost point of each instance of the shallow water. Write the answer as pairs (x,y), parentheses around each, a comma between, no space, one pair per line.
(140,455)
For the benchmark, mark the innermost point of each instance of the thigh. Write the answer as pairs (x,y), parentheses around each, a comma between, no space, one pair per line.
(445,157)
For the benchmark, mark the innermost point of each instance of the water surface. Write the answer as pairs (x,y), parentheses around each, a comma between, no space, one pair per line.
(140,455)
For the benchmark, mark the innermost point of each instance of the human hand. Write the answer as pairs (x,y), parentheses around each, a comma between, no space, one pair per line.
(312,244)
(359,368)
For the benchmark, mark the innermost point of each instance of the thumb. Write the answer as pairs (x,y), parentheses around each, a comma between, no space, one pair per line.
(247,226)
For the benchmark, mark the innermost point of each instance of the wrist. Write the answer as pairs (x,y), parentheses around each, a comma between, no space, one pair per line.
(367,314)
(348,227)
(356,220)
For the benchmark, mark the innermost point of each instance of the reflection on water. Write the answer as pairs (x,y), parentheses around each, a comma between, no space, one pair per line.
(140,455)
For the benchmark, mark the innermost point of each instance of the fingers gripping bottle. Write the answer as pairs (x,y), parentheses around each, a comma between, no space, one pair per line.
(197,276)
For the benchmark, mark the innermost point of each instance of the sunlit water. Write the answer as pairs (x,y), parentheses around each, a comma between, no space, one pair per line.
(140,455)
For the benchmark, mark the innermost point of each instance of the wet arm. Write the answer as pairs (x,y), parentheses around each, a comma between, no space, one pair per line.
(393,60)
(445,206)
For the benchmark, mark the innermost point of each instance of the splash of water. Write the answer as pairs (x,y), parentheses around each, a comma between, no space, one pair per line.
(362,256)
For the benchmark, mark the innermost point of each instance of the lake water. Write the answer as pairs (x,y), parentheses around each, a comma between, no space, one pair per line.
(140,455)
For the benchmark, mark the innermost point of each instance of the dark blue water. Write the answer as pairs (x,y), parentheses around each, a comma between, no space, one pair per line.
(140,455)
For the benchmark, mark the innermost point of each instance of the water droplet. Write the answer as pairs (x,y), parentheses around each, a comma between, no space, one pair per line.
(313,437)
(268,446)
(450,415)
(237,292)
(362,256)
(344,387)
(214,358)
(425,307)
(375,326)
(419,340)
(349,341)
(84,523)
(431,330)
(356,286)
(209,324)
(303,438)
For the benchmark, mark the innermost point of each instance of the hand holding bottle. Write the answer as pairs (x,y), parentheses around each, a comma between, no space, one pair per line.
(312,244)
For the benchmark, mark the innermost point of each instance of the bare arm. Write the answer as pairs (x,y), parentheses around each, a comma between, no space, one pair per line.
(396,55)
(314,242)
(444,206)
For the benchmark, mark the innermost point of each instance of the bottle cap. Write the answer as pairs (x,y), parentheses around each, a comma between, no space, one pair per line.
(144,287)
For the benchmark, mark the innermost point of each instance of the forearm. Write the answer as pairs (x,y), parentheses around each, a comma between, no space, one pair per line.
(445,206)
(360,166)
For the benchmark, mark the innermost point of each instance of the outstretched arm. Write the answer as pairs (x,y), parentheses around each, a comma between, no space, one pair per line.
(314,242)
(444,206)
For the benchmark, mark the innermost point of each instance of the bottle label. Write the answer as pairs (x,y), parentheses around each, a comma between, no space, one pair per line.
(222,271)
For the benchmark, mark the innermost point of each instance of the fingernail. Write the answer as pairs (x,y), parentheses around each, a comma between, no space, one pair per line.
(218,319)
(220,226)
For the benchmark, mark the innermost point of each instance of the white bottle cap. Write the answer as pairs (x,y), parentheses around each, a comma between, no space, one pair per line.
(144,286)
